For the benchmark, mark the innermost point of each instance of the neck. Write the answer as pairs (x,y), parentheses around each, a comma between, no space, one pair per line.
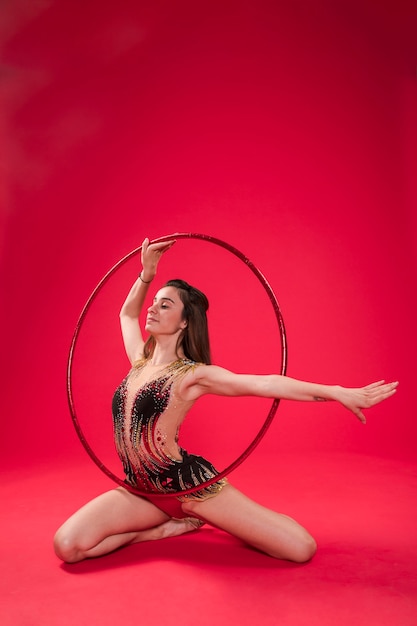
(165,356)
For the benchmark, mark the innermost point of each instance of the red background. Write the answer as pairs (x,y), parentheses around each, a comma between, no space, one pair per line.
(288,131)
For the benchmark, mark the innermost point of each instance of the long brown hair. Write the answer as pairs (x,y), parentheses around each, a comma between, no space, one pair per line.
(194,339)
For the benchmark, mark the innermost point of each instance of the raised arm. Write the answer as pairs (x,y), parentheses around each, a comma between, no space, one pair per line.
(132,306)
(211,379)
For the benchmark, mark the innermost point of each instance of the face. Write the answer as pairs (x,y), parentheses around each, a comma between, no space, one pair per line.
(165,314)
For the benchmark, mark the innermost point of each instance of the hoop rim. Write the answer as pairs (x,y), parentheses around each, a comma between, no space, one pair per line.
(275,403)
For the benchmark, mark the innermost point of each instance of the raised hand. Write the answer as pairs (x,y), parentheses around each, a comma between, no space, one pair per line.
(150,256)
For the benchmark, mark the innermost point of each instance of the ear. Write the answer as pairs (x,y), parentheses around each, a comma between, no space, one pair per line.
(184,324)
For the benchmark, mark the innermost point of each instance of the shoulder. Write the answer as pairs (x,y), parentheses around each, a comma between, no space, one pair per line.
(182,372)
(201,379)
(138,363)
(200,372)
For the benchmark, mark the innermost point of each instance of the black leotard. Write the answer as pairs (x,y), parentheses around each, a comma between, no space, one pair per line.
(141,440)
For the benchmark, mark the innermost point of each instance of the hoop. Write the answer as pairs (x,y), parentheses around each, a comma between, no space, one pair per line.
(275,403)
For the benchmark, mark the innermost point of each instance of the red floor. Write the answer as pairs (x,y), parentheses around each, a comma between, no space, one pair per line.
(361,510)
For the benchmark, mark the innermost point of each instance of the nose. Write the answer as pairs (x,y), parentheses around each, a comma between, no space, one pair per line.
(151,308)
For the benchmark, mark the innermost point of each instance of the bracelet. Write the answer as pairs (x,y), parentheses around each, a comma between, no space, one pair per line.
(145,281)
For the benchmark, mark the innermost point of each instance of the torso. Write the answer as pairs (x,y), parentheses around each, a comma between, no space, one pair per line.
(147,415)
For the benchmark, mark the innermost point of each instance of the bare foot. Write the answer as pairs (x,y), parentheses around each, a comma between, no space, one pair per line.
(172,528)
(175,527)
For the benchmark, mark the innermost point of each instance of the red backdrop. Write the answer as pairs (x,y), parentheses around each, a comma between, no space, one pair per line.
(287,131)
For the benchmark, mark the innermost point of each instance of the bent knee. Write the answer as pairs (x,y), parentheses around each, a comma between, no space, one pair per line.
(301,552)
(66,548)
(305,550)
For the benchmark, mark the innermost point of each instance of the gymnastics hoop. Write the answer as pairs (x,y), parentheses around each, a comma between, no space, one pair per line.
(275,403)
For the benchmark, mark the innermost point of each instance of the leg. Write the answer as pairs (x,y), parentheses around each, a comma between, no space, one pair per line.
(273,533)
(112,520)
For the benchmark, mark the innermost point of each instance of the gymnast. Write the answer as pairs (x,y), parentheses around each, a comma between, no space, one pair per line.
(170,371)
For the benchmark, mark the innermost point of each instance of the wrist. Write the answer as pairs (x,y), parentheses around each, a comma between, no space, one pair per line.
(146,278)
(336,392)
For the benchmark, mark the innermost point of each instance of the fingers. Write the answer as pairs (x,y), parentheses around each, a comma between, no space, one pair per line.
(151,254)
(381,384)
(163,246)
(380,390)
(375,385)
(361,417)
(158,248)
(389,389)
(378,394)
(145,244)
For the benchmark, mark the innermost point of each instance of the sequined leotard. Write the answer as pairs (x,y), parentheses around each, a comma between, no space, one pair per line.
(143,430)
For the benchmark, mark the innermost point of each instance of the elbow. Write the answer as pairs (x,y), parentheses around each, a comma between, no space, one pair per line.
(126,314)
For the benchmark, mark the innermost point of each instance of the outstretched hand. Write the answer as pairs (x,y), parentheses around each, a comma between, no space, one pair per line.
(365,397)
(151,254)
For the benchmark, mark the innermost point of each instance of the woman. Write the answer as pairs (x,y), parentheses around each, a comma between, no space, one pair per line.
(170,371)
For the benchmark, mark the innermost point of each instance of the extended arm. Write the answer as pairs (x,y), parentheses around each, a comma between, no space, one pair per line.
(216,380)
(133,305)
